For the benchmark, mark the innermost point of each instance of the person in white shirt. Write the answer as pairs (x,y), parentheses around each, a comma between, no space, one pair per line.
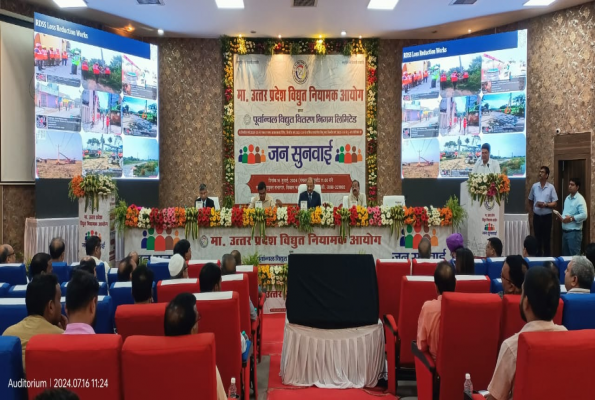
(579,275)
(93,249)
(486,165)
(356,198)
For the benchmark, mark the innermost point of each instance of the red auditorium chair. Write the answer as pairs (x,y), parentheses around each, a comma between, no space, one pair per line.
(220,314)
(390,273)
(473,284)
(424,266)
(140,319)
(415,291)
(195,266)
(194,375)
(511,317)
(239,283)
(79,358)
(251,272)
(167,290)
(468,343)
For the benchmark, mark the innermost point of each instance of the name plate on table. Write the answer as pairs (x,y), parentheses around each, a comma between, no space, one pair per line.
(345,201)
(198,204)
(258,204)
(304,205)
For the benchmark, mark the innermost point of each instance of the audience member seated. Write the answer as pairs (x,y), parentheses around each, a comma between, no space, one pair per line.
(57,394)
(41,263)
(238,256)
(425,248)
(590,253)
(579,275)
(57,250)
(183,248)
(539,302)
(7,255)
(464,262)
(87,264)
(142,285)
(311,197)
(513,275)
(494,248)
(181,318)
(228,267)
(125,269)
(134,256)
(81,303)
(428,325)
(210,278)
(530,247)
(93,248)
(454,242)
(552,267)
(43,311)
(178,268)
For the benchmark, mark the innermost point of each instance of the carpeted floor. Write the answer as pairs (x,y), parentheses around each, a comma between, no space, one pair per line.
(272,345)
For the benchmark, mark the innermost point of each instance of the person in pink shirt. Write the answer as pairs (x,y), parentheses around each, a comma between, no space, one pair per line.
(428,325)
(81,303)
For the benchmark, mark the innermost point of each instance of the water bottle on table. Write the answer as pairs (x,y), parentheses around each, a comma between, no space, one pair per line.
(233,391)
(468,388)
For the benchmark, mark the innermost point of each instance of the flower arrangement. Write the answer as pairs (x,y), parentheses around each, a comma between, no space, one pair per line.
(327,218)
(304,221)
(237,217)
(225,215)
(433,216)
(204,217)
(362,216)
(282,216)
(270,216)
(397,219)
(316,216)
(273,277)
(342,219)
(156,217)
(489,187)
(375,216)
(260,220)
(91,187)
(215,219)
(132,216)
(457,213)
(191,228)
(180,216)
(144,218)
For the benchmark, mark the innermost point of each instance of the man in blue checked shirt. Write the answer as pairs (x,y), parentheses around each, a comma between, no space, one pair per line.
(573,216)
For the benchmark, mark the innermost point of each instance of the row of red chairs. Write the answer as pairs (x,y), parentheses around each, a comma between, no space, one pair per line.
(98,367)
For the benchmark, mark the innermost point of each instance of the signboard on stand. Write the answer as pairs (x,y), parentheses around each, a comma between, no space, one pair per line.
(98,223)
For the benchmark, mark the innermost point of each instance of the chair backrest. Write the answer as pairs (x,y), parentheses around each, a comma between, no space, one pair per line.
(468,340)
(424,266)
(496,286)
(539,261)
(389,274)
(99,270)
(562,265)
(473,284)
(579,311)
(140,319)
(167,290)
(194,375)
(481,268)
(17,291)
(252,272)
(195,266)
(4,287)
(62,270)
(102,288)
(538,355)
(415,291)
(11,368)
(495,267)
(511,317)
(12,310)
(104,321)
(86,357)
(121,293)
(13,274)
(216,202)
(239,283)
(303,187)
(112,276)
(220,314)
(160,271)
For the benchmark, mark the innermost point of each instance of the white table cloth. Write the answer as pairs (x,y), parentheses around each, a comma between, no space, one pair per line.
(332,358)
(40,232)
(516,229)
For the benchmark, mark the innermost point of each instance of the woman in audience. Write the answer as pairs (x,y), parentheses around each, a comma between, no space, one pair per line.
(465,264)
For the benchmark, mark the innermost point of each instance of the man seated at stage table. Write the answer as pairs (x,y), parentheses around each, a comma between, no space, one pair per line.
(181,318)
(87,264)
(530,246)
(81,303)
(579,275)
(203,197)
(539,303)
(428,325)
(41,263)
(267,201)
(310,196)
(513,275)
(142,285)
(228,267)
(7,255)
(486,165)
(178,268)
(125,268)
(494,247)
(356,198)
(57,250)
(465,262)
(424,248)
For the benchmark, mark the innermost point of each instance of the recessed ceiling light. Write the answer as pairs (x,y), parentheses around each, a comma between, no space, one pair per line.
(360,36)
(70,3)
(343,33)
(382,4)
(279,36)
(469,31)
(160,32)
(230,3)
(538,3)
(129,28)
(240,35)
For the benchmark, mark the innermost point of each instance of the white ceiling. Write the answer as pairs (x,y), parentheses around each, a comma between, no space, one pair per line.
(410,19)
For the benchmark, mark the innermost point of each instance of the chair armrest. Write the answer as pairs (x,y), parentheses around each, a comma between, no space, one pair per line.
(389,322)
(261,300)
(424,357)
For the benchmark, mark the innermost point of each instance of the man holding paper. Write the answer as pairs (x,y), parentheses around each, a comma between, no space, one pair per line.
(543,199)
(572,217)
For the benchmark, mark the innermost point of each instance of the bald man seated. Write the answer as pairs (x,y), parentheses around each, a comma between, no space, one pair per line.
(424,248)
(7,255)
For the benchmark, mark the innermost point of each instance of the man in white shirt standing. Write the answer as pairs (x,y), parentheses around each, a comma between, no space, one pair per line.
(486,165)
(543,199)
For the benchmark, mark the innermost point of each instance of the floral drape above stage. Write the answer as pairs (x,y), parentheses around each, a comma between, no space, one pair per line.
(368,47)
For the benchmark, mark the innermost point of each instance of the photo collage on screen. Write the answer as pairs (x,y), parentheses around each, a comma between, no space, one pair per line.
(96,111)
(452,105)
